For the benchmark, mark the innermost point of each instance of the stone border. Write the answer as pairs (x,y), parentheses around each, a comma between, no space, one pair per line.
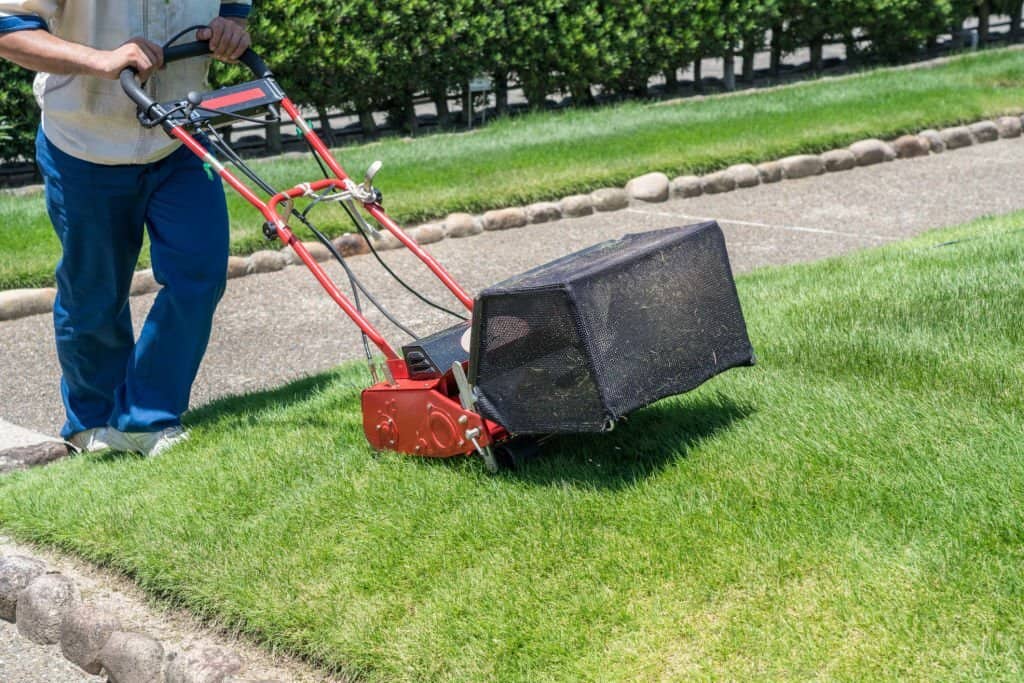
(649,188)
(47,608)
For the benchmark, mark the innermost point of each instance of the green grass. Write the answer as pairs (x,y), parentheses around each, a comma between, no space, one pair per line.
(547,156)
(848,509)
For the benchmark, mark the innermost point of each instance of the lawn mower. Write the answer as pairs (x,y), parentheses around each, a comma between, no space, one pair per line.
(571,346)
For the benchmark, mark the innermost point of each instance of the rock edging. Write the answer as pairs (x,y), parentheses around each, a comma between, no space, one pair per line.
(649,188)
(48,609)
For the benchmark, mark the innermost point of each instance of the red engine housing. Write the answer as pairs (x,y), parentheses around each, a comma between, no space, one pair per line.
(421,417)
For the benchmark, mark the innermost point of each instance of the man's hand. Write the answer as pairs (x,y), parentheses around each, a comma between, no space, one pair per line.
(228,38)
(143,55)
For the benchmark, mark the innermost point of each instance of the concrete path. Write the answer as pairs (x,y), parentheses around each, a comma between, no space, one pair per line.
(277,327)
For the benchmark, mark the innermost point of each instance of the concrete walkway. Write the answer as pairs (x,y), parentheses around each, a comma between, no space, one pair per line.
(277,327)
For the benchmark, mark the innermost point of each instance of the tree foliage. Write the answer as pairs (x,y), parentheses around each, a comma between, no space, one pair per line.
(18,111)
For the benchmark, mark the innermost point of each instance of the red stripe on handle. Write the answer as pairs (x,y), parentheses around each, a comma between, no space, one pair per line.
(234,98)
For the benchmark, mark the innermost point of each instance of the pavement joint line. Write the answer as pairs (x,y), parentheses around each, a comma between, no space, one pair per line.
(755,224)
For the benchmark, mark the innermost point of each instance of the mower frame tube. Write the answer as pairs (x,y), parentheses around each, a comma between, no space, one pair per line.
(412,416)
(377,211)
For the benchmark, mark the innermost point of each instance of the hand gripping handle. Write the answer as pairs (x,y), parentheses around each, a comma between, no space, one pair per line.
(198,48)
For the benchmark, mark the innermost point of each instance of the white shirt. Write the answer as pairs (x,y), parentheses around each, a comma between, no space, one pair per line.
(91,118)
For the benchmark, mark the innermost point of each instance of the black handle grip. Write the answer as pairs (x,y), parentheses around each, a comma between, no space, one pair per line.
(134,91)
(174,53)
(201,48)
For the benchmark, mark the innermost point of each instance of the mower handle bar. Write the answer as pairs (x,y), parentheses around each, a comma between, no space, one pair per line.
(174,53)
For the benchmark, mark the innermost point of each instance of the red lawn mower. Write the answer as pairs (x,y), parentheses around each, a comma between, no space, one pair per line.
(568,347)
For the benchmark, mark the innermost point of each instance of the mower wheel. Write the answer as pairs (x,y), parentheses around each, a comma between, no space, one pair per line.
(516,452)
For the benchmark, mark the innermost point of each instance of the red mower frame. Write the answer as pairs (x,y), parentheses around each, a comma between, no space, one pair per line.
(424,417)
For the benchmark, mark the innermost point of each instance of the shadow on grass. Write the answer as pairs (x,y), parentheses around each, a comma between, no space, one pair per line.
(230,407)
(649,441)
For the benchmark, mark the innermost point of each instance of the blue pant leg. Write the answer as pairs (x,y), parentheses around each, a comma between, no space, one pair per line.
(98,216)
(187,220)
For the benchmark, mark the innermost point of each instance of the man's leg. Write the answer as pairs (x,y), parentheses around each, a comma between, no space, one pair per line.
(187,221)
(98,216)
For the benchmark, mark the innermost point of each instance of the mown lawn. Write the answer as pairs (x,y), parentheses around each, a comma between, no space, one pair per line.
(848,509)
(551,155)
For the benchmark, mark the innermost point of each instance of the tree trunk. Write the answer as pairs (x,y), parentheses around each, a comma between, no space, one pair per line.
(581,95)
(817,48)
(467,104)
(412,123)
(367,123)
(535,93)
(325,125)
(501,93)
(749,52)
(984,11)
(729,69)
(698,74)
(671,81)
(444,116)
(274,145)
(1015,19)
(776,64)
(852,55)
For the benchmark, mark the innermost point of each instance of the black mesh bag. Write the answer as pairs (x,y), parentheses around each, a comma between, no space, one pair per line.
(575,344)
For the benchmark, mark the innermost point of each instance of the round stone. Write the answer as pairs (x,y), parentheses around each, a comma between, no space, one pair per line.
(504,219)
(143,282)
(237,267)
(19,303)
(16,573)
(202,665)
(770,171)
(610,199)
(984,131)
(687,186)
(870,152)
(745,175)
(911,146)
(838,160)
(42,605)
(427,233)
(802,166)
(83,633)
(132,658)
(651,187)
(577,205)
(716,183)
(543,212)
(266,261)
(934,140)
(1009,126)
(956,137)
(462,225)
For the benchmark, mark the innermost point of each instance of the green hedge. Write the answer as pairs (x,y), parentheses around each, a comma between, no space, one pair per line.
(372,56)
(18,113)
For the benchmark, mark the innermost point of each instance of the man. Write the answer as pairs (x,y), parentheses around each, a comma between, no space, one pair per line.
(106,177)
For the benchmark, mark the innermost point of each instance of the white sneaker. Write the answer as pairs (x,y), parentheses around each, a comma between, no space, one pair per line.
(149,444)
(158,442)
(89,440)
